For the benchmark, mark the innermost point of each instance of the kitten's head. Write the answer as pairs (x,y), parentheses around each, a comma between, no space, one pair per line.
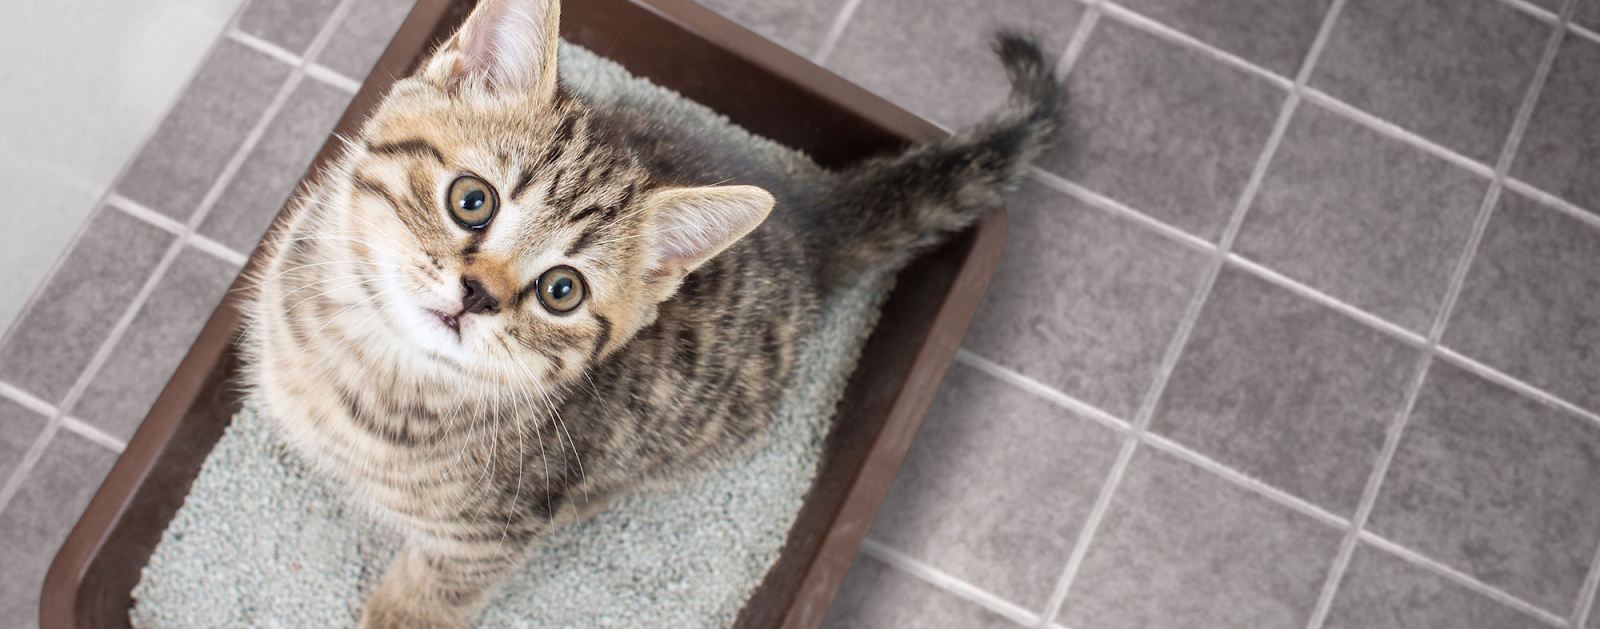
(511,234)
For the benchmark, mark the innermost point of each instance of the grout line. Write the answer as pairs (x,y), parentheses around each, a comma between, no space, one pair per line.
(1460,578)
(1586,594)
(1080,39)
(1382,325)
(168,224)
(1245,481)
(1511,382)
(7,390)
(1584,32)
(1436,332)
(1116,208)
(332,77)
(218,250)
(1396,132)
(1006,374)
(835,31)
(1162,31)
(103,353)
(947,582)
(1543,14)
(134,209)
(263,46)
(1557,203)
(93,434)
(1190,316)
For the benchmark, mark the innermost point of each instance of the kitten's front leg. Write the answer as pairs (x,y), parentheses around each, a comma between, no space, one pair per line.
(435,584)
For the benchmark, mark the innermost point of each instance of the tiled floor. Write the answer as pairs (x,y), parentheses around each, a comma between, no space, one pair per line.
(1299,328)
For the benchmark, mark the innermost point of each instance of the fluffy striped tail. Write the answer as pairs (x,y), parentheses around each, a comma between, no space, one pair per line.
(892,207)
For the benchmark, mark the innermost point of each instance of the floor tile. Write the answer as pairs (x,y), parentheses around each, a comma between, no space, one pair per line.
(1162,128)
(1560,152)
(1183,548)
(1273,34)
(1497,486)
(799,25)
(996,486)
(78,306)
(875,595)
(273,169)
(1454,71)
(159,337)
(291,24)
(934,57)
(183,159)
(1286,390)
(1382,591)
(19,426)
(41,515)
(1083,301)
(1365,218)
(1531,302)
(362,35)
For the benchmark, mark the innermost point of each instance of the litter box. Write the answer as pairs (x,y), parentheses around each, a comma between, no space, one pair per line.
(758,85)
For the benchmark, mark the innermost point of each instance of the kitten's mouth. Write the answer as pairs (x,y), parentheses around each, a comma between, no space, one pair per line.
(451,321)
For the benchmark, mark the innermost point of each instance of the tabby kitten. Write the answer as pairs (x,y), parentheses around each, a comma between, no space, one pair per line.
(505,303)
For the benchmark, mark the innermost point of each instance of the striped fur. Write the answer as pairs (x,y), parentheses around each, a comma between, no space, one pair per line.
(476,445)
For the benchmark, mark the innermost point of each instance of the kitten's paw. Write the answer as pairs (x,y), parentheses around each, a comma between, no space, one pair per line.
(387,612)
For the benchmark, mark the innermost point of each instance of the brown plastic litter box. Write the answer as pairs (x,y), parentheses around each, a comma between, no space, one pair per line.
(760,86)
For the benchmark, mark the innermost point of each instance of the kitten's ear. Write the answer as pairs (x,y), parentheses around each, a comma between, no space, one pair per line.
(693,224)
(505,45)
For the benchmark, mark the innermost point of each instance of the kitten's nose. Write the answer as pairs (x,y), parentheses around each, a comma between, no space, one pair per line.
(477,299)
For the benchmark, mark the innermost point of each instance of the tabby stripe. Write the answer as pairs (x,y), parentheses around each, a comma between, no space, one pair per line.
(584,239)
(415,147)
(522,184)
(603,337)
(363,184)
(584,213)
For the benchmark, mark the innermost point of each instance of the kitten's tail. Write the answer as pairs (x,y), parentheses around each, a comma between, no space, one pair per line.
(892,207)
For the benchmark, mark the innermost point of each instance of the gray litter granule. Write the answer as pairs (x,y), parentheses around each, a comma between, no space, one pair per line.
(264,542)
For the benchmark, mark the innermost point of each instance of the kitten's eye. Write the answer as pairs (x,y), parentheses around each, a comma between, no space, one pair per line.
(560,289)
(472,202)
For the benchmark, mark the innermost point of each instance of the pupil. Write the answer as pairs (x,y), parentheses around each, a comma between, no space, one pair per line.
(473,200)
(561,288)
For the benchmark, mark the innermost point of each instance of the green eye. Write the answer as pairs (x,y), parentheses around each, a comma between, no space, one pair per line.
(472,202)
(560,289)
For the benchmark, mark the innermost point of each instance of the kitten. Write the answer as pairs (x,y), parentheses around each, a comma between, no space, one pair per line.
(496,263)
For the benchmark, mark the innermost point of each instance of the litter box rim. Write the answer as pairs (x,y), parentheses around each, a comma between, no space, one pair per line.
(709,59)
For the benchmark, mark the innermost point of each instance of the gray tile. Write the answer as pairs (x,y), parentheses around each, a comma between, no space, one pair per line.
(996,487)
(1363,217)
(1162,128)
(874,596)
(54,340)
(19,426)
(1286,390)
(291,24)
(274,167)
(1560,152)
(362,35)
(1453,71)
(933,57)
(1083,301)
(1531,302)
(1183,548)
(799,25)
(1270,33)
(1497,486)
(39,518)
(1587,14)
(1381,591)
(159,337)
(205,128)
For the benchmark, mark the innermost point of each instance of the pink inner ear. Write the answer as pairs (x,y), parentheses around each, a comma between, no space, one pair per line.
(504,42)
(694,224)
